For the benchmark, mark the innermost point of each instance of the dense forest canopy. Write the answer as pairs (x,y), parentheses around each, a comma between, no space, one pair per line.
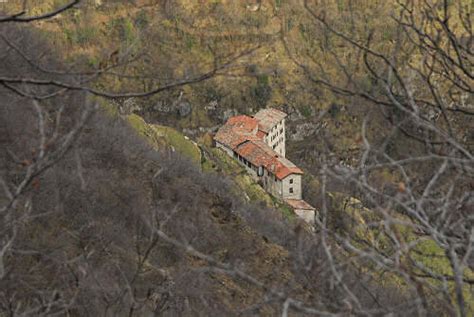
(114,202)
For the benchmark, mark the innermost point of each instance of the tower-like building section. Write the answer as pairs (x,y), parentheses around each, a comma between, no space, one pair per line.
(271,124)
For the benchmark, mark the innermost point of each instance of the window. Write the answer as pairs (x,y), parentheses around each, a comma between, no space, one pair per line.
(249,164)
(291,180)
(291,190)
(281,131)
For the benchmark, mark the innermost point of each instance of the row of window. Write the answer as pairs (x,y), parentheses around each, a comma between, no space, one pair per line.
(273,137)
(277,142)
(242,159)
(277,125)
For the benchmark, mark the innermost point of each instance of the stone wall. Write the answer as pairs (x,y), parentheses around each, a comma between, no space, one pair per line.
(225,149)
(291,187)
(270,184)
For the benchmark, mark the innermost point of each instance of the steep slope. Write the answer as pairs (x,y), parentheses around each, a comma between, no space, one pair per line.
(349,218)
(93,241)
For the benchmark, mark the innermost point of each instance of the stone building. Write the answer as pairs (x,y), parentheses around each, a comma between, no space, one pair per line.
(258,143)
(272,123)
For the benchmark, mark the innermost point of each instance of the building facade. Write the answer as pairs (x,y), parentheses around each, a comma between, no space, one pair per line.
(258,143)
(272,123)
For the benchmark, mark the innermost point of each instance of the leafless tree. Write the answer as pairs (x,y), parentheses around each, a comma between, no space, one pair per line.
(95,222)
(421,88)
(46,108)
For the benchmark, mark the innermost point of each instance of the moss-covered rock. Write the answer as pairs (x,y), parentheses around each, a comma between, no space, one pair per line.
(165,137)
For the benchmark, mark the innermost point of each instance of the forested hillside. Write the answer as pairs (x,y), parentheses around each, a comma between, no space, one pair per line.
(113,200)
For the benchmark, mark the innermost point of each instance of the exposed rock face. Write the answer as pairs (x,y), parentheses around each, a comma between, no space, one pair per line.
(184,109)
(162,106)
(228,113)
(300,131)
(126,106)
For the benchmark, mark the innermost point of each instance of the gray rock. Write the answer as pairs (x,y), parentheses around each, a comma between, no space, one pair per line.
(228,113)
(212,105)
(304,130)
(161,106)
(184,109)
(128,106)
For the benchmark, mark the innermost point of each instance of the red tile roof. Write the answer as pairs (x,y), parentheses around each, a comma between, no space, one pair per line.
(299,204)
(261,134)
(260,154)
(243,122)
(237,129)
(243,134)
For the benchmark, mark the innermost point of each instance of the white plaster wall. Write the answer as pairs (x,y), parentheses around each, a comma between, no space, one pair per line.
(276,137)
(297,193)
(271,185)
(283,144)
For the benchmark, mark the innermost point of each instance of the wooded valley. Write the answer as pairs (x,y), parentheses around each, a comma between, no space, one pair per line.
(114,200)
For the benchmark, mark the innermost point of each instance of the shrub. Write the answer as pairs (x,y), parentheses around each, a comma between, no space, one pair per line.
(82,35)
(306,111)
(142,20)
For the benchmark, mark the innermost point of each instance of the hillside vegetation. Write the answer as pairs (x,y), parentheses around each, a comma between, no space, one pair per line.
(114,201)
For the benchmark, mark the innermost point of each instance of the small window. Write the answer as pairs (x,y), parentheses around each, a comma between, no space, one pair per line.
(276,179)
(291,190)
(291,180)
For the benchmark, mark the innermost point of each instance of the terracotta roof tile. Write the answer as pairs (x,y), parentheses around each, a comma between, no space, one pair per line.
(243,122)
(260,154)
(299,204)
(261,134)
(237,129)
